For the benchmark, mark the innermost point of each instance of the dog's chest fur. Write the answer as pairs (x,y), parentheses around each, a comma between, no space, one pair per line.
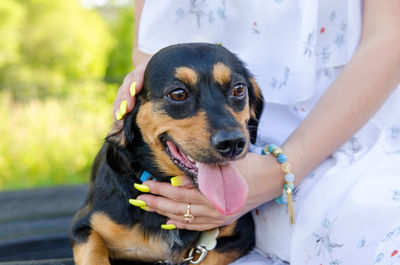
(132,242)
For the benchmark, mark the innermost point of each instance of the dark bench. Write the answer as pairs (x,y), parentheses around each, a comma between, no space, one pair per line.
(34,225)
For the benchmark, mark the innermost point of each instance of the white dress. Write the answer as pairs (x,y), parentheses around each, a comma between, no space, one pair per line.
(347,209)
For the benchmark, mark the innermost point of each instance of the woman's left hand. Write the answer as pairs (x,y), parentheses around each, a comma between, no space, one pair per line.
(173,202)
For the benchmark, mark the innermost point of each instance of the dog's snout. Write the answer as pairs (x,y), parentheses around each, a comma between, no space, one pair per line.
(229,143)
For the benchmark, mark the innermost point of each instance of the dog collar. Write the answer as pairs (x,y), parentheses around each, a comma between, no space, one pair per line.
(145,176)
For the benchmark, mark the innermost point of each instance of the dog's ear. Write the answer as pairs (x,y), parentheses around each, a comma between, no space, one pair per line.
(117,134)
(120,136)
(256,103)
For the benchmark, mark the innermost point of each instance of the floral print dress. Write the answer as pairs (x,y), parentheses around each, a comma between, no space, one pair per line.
(347,209)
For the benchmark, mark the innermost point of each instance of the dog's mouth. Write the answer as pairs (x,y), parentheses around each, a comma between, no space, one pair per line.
(222,184)
(181,160)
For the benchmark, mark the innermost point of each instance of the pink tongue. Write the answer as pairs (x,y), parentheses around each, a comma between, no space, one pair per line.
(223,186)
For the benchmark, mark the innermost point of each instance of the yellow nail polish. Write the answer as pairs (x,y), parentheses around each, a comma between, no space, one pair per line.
(176,181)
(118,115)
(168,226)
(138,203)
(132,89)
(141,187)
(145,208)
(122,107)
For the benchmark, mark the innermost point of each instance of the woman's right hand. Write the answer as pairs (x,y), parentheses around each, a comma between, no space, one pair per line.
(132,85)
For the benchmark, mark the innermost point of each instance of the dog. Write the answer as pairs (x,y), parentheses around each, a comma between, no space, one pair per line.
(196,114)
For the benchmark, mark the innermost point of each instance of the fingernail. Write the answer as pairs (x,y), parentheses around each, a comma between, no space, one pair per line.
(122,107)
(145,208)
(141,187)
(118,115)
(176,181)
(168,226)
(138,203)
(132,89)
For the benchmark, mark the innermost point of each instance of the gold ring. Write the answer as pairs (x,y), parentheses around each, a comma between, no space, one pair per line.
(188,216)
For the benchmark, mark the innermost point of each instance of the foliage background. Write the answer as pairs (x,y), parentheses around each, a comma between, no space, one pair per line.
(61,63)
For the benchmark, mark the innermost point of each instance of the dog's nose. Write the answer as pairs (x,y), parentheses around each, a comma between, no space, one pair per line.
(229,143)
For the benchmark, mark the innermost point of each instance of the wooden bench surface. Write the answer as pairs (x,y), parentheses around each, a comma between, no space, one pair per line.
(34,225)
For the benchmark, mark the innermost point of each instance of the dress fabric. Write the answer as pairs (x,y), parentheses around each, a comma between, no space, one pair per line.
(347,209)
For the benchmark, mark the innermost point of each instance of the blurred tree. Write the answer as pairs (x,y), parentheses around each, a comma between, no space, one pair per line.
(61,42)
(120,58)
(12,14)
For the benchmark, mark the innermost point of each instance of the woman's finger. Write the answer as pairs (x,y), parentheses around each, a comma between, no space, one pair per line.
(176,210)
(196,220)
(178,194)
(125,100)
(193,226)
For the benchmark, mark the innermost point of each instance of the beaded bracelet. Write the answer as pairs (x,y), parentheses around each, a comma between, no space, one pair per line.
(287,196)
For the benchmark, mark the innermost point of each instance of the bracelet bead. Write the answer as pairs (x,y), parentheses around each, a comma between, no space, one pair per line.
(263,152)
(286,167)
(282,158)
(289,177)
(271,148)
(289,185)
(277,151)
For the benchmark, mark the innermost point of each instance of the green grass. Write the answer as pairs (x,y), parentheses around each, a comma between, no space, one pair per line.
(54,141)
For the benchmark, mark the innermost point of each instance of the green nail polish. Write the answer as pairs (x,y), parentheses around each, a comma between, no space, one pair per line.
(138,203)
(132,89)
(168,226)
(141,187)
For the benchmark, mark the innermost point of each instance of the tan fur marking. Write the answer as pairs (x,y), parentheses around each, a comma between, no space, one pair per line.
(94,251)
(128,242)
(191,134)
(221,73)
(186,75)
(227,230)
(257,92)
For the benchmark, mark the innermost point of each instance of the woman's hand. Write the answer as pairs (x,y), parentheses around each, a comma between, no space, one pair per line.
(171,201)
(132,84)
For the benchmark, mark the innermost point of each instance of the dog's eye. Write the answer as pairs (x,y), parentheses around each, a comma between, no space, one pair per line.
(239,90)
(178,94)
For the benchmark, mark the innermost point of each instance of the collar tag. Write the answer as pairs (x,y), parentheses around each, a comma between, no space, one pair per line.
(208,239)
(145,176)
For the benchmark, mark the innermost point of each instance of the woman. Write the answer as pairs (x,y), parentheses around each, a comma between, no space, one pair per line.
(328,71)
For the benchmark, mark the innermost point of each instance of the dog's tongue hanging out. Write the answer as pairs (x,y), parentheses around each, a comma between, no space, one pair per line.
(223,186)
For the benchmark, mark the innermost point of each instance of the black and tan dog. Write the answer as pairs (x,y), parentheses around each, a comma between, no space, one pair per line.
(196,114)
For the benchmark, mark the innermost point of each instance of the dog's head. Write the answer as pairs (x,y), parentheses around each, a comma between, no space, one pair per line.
(194,115)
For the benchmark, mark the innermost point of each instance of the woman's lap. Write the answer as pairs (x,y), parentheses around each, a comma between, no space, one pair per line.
(255,258)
